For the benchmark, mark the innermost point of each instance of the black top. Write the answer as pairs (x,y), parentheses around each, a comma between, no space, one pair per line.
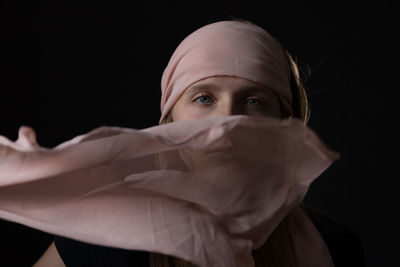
(79,254)
(342,241)
(20,245)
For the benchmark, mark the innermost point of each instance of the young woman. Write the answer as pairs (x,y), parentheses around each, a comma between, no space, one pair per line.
(225,69)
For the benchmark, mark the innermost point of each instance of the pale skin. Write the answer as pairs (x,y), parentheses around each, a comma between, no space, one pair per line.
(213,96)
(224,96)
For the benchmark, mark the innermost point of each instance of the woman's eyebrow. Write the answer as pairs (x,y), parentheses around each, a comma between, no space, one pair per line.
(256,89)
(244,90)
(202,86)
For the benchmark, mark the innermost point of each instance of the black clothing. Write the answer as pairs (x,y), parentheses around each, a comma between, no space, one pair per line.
(21,246)
(342,241)
(79,254)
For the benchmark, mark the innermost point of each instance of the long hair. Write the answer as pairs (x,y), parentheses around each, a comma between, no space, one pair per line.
(278,250)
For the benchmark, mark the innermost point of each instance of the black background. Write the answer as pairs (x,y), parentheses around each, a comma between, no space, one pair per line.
(67,68)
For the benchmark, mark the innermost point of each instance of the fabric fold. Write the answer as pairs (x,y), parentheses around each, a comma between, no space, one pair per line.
(208,191)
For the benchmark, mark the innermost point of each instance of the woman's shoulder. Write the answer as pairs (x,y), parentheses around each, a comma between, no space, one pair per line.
(343,242)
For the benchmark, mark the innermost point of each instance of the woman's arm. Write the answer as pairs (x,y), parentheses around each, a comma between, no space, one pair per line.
(50,258)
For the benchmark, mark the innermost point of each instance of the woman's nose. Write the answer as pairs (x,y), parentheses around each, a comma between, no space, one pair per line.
(228,108)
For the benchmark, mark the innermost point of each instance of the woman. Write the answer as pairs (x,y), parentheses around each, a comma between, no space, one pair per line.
(224,69)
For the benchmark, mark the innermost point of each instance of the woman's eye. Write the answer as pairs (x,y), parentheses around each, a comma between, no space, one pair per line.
(204,99)
(254,102)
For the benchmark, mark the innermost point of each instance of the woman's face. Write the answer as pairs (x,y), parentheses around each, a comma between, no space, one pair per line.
(224,96)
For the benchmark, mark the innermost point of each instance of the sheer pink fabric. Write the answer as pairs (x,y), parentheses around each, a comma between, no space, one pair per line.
(226,48)
(208,191)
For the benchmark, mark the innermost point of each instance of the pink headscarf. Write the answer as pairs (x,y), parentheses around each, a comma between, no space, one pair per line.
(226,48)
